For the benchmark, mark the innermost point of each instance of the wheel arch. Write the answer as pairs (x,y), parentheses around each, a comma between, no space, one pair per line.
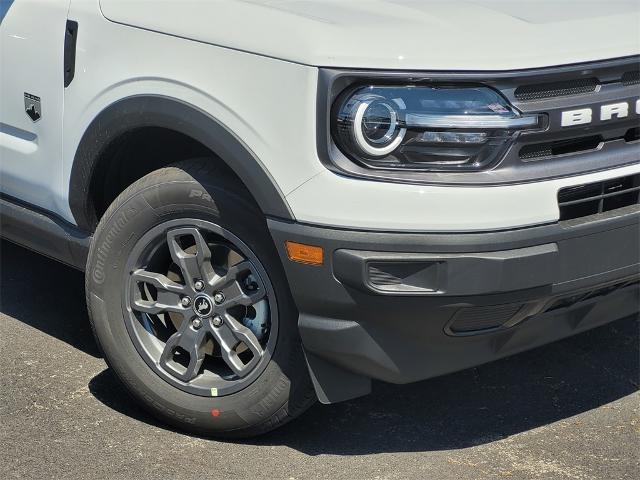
(150,111)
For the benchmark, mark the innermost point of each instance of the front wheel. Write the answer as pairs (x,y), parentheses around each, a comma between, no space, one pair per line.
(190,305)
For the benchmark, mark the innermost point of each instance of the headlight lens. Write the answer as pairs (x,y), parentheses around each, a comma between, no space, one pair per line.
(378,119)
(426,127)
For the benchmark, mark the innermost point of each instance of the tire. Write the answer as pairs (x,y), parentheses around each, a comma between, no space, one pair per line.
(195,197)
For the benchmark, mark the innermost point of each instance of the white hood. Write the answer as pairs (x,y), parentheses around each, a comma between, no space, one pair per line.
(400,34)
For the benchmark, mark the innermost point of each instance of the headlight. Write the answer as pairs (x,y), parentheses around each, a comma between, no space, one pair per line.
(438,128)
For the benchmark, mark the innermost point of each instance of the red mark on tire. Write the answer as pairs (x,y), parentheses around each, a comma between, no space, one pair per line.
(215,412)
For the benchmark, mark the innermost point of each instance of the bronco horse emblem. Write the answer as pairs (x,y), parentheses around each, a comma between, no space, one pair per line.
(202,306)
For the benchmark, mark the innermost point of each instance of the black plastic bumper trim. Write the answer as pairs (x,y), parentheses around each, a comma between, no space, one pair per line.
(561,278)
(455,274)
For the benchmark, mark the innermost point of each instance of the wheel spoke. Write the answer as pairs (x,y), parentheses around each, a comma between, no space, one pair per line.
(232,275)
(231,285)
(235,296)
(228,336)
(168,293)
(193,266)
(191,341)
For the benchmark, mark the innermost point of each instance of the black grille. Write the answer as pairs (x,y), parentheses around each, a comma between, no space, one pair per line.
(556,89)
(632,135)
(560,147)
(631,78)
(598,197)
(567,146)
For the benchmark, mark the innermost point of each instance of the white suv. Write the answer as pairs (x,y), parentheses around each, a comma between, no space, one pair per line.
(279,201)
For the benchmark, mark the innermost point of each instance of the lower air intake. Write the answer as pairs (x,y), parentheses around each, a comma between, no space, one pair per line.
(598,197)
(479,319)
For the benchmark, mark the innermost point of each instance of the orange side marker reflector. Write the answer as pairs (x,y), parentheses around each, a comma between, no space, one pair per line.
(301,253)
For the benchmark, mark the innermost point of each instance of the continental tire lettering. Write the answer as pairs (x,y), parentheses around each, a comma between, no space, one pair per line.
(102,251)
(264,406)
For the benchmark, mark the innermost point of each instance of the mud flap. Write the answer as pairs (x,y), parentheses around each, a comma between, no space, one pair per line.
(334,384)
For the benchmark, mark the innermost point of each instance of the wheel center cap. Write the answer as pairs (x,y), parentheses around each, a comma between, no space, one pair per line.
(203,306)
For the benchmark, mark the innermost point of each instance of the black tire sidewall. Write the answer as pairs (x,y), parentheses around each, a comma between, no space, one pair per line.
(176,195)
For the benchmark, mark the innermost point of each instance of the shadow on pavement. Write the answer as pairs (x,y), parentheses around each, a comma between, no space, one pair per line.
(46,295)
(473,407)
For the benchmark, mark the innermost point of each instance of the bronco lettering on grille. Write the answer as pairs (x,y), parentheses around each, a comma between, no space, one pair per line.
(610,111)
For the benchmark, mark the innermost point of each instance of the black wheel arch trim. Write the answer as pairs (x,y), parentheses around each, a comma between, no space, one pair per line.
(140,111)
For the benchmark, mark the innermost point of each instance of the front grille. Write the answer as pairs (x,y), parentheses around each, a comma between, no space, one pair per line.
(632,135)
(631,78)
(556,89)
(561,150)
(598,197)
(560,147)
(567,146)
(573,86)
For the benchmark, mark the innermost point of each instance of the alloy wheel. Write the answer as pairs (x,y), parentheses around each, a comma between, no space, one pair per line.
(199,307)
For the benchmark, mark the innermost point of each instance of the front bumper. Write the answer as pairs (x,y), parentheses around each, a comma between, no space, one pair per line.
(402,307)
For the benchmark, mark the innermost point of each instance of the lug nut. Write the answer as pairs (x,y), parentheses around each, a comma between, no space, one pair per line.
(217,321)
(197,323)
(218,298)
(199,285)
(185,302)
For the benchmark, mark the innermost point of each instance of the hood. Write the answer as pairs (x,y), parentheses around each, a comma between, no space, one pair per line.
(400,34)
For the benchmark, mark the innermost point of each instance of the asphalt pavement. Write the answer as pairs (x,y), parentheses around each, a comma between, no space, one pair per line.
(565,411)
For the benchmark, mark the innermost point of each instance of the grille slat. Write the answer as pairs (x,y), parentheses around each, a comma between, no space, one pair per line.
(598,197)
